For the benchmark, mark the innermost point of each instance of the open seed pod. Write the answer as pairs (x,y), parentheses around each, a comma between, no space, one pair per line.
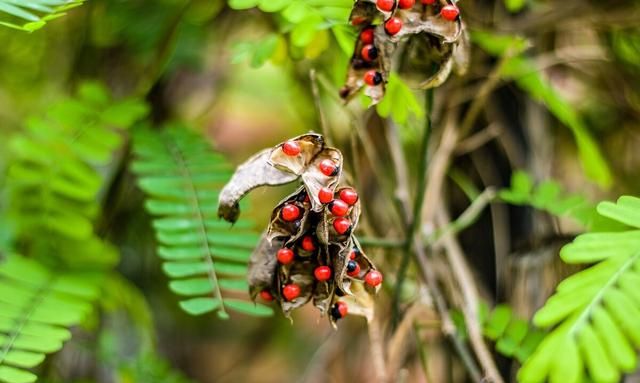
(437,26)
(306,252)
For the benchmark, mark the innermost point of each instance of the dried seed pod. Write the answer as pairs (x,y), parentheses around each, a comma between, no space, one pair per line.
(262,265)
(281,227)
(315,179)
(309,146)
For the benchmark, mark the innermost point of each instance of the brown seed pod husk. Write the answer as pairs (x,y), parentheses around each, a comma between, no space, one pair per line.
(278,227)
(310,145)
(314,179)
(262,266)
(300,273)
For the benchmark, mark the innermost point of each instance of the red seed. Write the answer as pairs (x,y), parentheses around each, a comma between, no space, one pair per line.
(353,255)
(338,207)
(349,196)
(291,148)
(342,225)
(428,2)
(285,256)
(290,212)
(308,243)
(342,309)
(393,25)
(373,278)
(328,167)
(366,36)
(369,52)
(372,78)
(358,20)
(325,195)
(291,291)
(322,273)
(406,4)
(385,5)
(353,269)
(266,295)
(450,12)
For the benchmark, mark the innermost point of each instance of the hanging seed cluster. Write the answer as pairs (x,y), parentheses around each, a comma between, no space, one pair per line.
(433,26)
(308,252)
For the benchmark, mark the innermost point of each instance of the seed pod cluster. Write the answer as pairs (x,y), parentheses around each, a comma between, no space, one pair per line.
(434,26)
(309,251)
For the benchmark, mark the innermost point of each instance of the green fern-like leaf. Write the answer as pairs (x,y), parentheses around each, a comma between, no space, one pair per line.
(595,312)
(205,258)
(37,306)
(514,337)
(58,163)
(31,15)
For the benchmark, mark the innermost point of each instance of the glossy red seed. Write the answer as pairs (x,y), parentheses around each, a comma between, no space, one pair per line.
(369,52)
(450,12)
(328,167)
(308,243)
(291,291)
(349,196)
(285,256)
(393,25)
(372,77)
(366,36)
(373,278)
(353,255)
(290,212)
(339,208)
(356,270)
(428,2)
(406,4)
(342,225)
(322,273)
(291,148)
(342,309)
(325,195)
(385,5)
(266,295)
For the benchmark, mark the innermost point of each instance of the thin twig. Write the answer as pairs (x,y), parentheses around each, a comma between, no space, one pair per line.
(377,350)
(477,140)
(471,302)
(381,242)
(324,127)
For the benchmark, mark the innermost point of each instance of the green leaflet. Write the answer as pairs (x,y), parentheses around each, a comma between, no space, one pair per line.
(205,257)
(53,176)
(594,313)
(31,15)
(527,76)
(37,305)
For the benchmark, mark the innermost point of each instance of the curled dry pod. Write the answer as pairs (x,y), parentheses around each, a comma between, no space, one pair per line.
(299,273)
(269,167)
(359,302)
(343,281)
(317,176)
(262,265)
(280,227)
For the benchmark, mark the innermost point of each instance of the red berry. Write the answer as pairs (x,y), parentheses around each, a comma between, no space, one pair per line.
(372,78)
(308,243)
(291,291)
(328,168)
(358,20)
(385,5)
(290,212)
(450,12)
(349,196)
(353,254)
(291,148)
(340,308)
(266,295)
(366,36)
(285,256)
(353,268)
(322,273)
(325,195)
(393,25)
(373,278)
(342,225)
(369,52)
(306,198)
(428,2)
(338,207)
(406,4)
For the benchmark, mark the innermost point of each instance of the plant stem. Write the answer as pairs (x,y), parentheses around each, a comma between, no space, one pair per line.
(417,207)
(381,242)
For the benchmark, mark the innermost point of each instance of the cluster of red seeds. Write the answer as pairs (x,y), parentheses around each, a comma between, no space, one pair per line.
(392,26)
(339,204)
